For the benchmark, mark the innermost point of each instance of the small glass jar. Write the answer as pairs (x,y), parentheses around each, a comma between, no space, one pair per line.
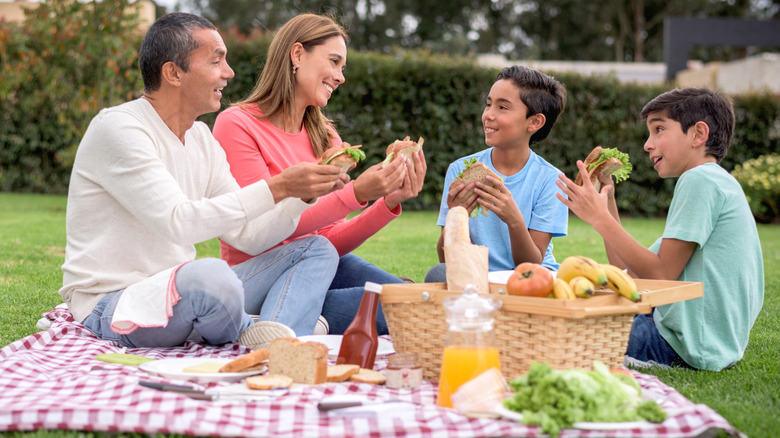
(403,371)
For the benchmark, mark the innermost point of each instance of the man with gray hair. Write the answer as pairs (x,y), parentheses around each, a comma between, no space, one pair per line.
(149,182)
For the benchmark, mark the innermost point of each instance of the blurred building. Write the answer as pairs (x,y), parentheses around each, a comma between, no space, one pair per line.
(755,73)
(14,11)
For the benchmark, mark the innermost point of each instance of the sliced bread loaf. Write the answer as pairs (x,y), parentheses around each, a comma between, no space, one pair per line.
(305,362)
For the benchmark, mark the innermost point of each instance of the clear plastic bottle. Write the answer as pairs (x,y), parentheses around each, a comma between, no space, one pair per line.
(360,341)
(470,348)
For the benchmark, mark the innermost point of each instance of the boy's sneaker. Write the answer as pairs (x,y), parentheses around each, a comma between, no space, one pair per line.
(322,327)
(262,333)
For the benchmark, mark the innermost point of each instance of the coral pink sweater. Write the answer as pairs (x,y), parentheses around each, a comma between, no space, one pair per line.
(256,149)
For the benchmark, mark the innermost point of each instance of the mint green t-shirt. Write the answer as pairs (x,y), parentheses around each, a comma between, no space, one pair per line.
(710,209)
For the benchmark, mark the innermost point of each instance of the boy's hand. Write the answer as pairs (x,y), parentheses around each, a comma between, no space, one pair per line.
(499,200)
(584,201)
(462,196)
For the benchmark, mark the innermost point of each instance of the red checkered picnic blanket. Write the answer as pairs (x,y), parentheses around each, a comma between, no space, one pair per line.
(51,380)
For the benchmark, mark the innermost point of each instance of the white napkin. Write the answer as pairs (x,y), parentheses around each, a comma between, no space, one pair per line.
(148,303)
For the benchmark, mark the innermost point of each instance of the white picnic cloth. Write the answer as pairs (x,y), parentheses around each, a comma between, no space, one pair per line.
(148,303)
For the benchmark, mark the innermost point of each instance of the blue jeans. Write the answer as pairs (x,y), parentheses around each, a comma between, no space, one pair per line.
(346,291)
(645,343)
(286,284)
(437,274)
(211,306)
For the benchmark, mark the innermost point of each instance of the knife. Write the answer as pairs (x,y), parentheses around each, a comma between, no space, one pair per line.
(189,391)
(335,403)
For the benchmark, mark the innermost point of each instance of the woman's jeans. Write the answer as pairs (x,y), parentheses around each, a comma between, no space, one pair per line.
(286,284)
(645,343)
(343,299)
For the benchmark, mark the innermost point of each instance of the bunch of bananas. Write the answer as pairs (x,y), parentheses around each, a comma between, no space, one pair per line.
(579,276)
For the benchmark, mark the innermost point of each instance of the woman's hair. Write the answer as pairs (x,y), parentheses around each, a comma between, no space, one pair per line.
(274,92)
(169,39)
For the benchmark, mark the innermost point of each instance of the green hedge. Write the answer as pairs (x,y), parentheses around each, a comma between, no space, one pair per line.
(416,94)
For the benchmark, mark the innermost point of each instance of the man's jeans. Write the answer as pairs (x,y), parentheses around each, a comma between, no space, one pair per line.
(286,284)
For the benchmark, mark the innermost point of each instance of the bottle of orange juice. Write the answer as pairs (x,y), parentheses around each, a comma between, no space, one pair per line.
(470,348)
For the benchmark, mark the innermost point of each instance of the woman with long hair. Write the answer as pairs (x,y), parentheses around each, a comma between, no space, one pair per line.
(281,124)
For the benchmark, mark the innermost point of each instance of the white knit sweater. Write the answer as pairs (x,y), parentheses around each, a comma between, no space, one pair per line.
(139,200)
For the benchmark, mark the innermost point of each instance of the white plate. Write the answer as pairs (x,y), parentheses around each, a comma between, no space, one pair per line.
(582,425)
(333,342)
(172,369)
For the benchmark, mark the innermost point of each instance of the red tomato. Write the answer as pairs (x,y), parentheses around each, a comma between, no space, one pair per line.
(621,371)
(530,279)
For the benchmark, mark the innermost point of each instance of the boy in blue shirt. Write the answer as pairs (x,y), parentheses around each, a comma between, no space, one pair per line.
(524,214)
(710,236)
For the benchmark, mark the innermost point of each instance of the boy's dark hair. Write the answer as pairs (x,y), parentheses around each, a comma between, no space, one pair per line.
(690,105)
(169,39)
(540,93)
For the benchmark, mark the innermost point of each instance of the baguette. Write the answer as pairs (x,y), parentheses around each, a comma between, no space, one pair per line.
(456,227)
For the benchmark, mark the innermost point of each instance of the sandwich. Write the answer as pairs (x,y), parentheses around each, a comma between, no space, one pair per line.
(605,162)
(345,156)
(475,171)
(403,147)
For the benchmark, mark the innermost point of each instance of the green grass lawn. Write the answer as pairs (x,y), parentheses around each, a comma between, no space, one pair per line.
(32,248)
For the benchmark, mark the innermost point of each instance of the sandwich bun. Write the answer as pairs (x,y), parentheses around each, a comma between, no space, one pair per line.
(405,147)
(598,165)
(344,156)
(474,171)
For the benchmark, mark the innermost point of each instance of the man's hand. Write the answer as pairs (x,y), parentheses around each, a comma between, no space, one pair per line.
(378,181)
(307,181)
(412,184)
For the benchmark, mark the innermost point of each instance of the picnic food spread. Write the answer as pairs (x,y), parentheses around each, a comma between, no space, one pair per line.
(605,162)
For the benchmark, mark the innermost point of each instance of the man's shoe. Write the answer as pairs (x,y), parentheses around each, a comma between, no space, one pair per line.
(322,327)
(262,333)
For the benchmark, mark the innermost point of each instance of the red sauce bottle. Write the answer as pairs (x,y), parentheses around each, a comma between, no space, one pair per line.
(360,341)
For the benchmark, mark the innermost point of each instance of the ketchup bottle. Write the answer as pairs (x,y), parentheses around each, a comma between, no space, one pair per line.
(359,344)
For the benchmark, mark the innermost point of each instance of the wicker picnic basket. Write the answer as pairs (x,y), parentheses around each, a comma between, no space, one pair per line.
(565,333)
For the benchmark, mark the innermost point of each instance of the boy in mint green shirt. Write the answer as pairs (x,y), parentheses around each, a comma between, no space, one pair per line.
(710,236)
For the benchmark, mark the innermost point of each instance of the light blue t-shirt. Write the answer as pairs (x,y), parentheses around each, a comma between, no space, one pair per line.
(710,209)
(533,189)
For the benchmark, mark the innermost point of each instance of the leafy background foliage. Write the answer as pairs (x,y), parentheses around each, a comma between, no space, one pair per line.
(58,72)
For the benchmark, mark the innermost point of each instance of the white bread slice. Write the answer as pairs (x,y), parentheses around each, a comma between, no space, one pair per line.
(269,381)
(342,372)
(368,376)
(305,362)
